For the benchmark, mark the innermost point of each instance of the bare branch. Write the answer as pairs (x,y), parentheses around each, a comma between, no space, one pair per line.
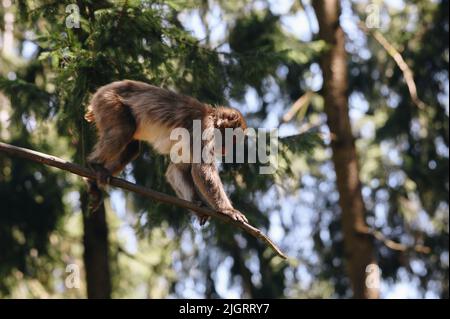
(407,72)
(301,102)
(146,192)
(392,244)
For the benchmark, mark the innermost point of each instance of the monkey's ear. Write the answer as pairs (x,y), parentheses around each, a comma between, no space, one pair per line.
(233,115)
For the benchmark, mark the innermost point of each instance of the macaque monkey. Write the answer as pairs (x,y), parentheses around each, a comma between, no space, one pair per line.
(127,112)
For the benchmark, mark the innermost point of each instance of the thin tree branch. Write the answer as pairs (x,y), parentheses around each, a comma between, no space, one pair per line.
(407,72)
(302,102)
(146,192)
(392,244)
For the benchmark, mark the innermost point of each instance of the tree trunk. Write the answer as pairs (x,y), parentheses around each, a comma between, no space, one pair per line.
(358,249)
(96,257)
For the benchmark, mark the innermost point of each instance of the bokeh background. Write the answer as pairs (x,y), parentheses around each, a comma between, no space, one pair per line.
(377,70)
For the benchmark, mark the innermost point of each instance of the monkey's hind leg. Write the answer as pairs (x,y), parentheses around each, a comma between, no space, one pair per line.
(130,152)
(110,153)
(113,141)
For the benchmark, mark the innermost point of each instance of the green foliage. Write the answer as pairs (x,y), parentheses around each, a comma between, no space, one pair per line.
(32,208)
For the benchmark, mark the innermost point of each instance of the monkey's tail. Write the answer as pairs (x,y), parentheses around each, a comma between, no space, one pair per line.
(89,116)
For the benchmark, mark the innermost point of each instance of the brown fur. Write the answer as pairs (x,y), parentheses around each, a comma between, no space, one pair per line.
(127,111)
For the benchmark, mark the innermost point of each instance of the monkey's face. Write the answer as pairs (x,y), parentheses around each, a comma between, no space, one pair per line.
(230,119)
(227,117)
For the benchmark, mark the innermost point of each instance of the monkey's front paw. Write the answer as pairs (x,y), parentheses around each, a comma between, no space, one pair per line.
(235,214)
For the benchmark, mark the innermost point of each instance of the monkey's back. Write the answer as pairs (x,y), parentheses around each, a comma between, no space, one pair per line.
(155,111)
(149,101)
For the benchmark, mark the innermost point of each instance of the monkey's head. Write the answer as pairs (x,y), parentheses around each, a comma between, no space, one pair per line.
(228,117)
